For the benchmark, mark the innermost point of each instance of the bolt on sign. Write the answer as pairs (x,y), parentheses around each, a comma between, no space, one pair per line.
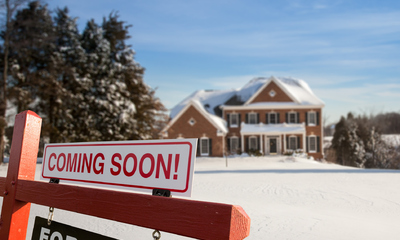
(136,165)
(60,231)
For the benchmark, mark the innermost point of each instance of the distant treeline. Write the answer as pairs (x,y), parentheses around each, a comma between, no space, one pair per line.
(387,123)
(357,141)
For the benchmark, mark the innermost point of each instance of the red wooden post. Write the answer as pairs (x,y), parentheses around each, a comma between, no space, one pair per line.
(22,165)
(200,220)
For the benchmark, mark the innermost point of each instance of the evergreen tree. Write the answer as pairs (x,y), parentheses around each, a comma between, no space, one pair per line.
(32,44)
(148,108)
(86,87)
(340,141)
(9,7)
(356,150)
(69,60)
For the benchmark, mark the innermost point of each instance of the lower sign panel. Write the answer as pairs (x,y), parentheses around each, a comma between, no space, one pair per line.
(59,231)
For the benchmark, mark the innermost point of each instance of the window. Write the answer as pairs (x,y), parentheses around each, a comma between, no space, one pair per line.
(292,143)
(292,117)
(234,120)
(273,119)
(192,121)
(272,93)
(204,147)
(234,144)
(253,143)
(312,120)
(253,118)
(312,143)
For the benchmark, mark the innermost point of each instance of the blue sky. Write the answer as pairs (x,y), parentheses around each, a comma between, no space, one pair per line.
(347,51)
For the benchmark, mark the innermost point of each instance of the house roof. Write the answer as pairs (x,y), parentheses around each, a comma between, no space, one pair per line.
(297,89)
(211,101)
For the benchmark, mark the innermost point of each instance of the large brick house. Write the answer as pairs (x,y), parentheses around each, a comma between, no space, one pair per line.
(270,115)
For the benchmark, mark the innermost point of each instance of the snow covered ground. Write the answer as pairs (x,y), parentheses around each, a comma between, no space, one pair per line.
(286,198)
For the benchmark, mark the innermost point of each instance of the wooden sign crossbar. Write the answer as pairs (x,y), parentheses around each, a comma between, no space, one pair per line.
(196,219)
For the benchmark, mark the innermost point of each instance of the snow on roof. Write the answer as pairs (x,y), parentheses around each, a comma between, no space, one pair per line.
(211,100)
(207,100)
(300,90)
(272,128)
(217,121)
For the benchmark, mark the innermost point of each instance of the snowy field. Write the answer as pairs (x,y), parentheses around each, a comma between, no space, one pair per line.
(286,198)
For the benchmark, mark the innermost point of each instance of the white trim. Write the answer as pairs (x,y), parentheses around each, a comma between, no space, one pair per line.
(276,117)
(230,147)
(237,120)
(277,82)
(268,144)
(252,137)
(295,143)
(284,142)
(295,117)
(270,107)
(309,144)
(243,143)
(208,146)
(255,117)
(301,129)
(308,118)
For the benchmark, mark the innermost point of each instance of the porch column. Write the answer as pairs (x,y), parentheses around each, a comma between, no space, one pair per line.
(284,142)
(261,144)
(242,135)
(223,146)
(304,142)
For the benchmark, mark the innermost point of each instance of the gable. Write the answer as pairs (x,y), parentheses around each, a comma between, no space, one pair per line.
(190,124)
(264,94)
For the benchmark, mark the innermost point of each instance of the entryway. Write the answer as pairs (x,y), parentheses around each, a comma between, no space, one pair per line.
(272,145)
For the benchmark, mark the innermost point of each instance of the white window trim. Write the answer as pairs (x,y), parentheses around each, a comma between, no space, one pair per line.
(309,144)
(276,118)
(231,145)
(272,93)
(192,121)
(255,117)
(256,138)
(295,143)
(295,117)
(237,120)
(315,118)
(201,146)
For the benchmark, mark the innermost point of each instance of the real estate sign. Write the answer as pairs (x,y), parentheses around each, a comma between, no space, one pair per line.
(136,165)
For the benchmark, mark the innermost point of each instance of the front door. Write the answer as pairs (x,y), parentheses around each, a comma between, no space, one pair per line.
(273,146)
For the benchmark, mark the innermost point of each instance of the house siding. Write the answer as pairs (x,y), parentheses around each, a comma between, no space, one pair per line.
(181,128)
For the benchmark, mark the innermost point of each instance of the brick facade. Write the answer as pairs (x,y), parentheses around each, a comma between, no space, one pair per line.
(265,96)
(195,122)
(184,127)
(314,130)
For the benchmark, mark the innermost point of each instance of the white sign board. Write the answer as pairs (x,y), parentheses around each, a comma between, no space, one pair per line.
(137,165)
